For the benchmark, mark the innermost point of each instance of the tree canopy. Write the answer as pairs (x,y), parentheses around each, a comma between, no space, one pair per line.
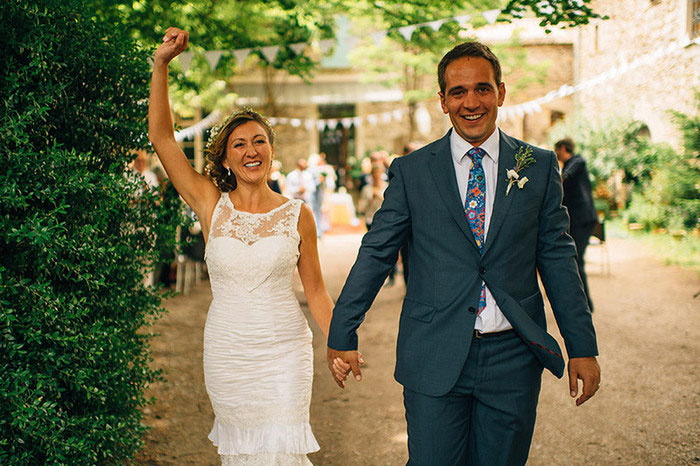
(233,24)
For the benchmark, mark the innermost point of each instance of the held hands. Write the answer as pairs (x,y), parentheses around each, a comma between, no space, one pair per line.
(174,43)
(588,370)
(340,363)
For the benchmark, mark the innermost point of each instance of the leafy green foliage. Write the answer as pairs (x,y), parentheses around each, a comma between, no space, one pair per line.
(614,144)
(554,12)
(79,230)
(224,25)
(665,182)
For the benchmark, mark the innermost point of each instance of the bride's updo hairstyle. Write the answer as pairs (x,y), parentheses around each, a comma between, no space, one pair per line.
(216,147)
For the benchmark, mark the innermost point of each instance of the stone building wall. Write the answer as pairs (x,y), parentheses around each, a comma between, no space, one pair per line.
(293,143)
(387,135)
(534,128)
(637,28)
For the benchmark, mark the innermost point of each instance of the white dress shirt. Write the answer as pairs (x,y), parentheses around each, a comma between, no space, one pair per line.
(298,179)
(491,318)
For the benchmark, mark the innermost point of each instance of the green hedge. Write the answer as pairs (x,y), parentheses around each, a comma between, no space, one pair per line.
(76,237)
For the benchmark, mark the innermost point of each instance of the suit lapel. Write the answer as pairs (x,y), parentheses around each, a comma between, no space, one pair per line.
(443,172)
(501,203)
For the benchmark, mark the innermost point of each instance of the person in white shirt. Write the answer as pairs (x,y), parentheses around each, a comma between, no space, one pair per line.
(140,165)
(300,183)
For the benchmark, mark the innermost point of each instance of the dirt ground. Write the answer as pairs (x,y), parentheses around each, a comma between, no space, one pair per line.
(646,412)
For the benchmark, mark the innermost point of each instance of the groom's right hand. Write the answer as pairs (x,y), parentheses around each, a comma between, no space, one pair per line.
(342,362)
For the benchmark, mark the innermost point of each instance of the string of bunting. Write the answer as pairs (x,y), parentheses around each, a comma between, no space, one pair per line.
(535,105)
(270,52)
(505,113)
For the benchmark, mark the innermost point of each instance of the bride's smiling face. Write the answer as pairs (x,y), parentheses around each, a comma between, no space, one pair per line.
(249,153)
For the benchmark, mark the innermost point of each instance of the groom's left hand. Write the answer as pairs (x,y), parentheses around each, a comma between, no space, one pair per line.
(588,371)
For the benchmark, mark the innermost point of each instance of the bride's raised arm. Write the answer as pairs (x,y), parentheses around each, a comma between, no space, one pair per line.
(196,189)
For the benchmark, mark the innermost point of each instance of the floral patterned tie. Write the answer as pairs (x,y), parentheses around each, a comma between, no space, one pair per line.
(475,207)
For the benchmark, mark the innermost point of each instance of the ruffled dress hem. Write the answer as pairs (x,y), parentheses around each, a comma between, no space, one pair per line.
(288,439)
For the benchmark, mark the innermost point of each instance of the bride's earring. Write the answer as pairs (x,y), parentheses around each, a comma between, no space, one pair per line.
(229,172)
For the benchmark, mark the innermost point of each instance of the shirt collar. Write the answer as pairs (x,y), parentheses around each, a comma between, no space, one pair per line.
(460,147)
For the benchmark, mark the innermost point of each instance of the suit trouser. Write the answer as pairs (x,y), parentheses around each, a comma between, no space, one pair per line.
(489,415)
(581,234)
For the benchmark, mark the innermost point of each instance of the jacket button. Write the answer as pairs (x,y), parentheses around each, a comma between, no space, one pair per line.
(482,270)
(472,309)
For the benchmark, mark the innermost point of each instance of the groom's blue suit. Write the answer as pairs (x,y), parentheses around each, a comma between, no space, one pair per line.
(527,234)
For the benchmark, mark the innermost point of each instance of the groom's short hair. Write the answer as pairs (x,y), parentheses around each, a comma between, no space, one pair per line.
(468,49)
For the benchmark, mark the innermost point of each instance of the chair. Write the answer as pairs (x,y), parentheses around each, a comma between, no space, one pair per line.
(598,239)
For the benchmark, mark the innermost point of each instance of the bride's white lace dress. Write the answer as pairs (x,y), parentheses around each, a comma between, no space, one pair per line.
(258,358)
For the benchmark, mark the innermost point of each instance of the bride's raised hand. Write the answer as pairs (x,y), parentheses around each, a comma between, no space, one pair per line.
(174,43)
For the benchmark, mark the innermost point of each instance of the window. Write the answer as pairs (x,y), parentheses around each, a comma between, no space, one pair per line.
(694,18)
(555,116)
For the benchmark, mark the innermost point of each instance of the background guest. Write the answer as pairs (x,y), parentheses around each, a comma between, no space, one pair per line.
(578,199)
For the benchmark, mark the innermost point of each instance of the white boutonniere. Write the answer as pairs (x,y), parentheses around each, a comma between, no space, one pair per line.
(523,159)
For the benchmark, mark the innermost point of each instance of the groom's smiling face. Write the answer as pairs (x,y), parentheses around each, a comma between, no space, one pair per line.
(472,97)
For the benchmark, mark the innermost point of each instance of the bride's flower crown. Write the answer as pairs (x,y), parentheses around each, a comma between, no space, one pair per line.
(216,129)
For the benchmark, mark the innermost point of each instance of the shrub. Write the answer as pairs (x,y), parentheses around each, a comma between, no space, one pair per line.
(77,237)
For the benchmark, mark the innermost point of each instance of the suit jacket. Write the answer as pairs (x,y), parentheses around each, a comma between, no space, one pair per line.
(578,196)
(527,234)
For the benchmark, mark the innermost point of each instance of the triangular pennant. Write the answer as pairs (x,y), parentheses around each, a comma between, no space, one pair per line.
(185,59)
(461,19)
(308,124)
(241,55)
(295,122)
(320,124)
(407,31)
(346,122)
(213,57)
(357,121)
(298,48)
(491,15)
(378,37)
(435,25)
(270,52)
(325,45)
(373,119)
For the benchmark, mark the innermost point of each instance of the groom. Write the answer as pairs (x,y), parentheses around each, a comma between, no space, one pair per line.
(483,212)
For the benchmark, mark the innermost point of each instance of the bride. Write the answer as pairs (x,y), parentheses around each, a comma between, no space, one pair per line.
(258,359)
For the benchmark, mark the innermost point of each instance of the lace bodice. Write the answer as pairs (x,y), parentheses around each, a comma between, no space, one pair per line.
(246,251)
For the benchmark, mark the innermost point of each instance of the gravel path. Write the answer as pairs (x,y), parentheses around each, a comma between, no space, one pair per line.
(646,412)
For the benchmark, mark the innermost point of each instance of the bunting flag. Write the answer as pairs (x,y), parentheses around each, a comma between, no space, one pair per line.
(185,59)
(298,48)
(241,55)
(198,127)
(491,15)
(270,53)
(213,57)
(435,25)
(462,18)
(407,31)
